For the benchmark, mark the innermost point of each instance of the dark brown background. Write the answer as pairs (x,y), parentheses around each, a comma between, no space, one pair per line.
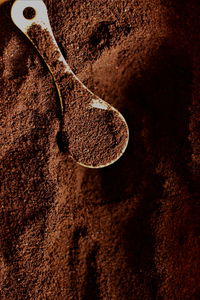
(128,231)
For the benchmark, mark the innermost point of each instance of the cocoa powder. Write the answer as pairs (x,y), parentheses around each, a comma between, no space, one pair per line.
(128,231)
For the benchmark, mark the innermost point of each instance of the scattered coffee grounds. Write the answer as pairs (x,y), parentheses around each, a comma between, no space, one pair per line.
(95,137)
(128,231)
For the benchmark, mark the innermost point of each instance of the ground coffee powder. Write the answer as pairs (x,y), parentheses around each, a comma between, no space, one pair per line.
(127,231)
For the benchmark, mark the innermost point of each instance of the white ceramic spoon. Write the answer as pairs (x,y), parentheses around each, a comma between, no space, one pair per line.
(96,133)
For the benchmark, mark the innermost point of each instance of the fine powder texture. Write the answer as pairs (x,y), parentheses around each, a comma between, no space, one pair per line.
(128,231)
(94,137)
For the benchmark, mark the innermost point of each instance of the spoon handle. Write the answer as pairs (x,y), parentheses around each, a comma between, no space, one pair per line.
(39,32)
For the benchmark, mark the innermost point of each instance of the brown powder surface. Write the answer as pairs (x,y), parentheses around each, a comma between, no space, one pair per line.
(128,231)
